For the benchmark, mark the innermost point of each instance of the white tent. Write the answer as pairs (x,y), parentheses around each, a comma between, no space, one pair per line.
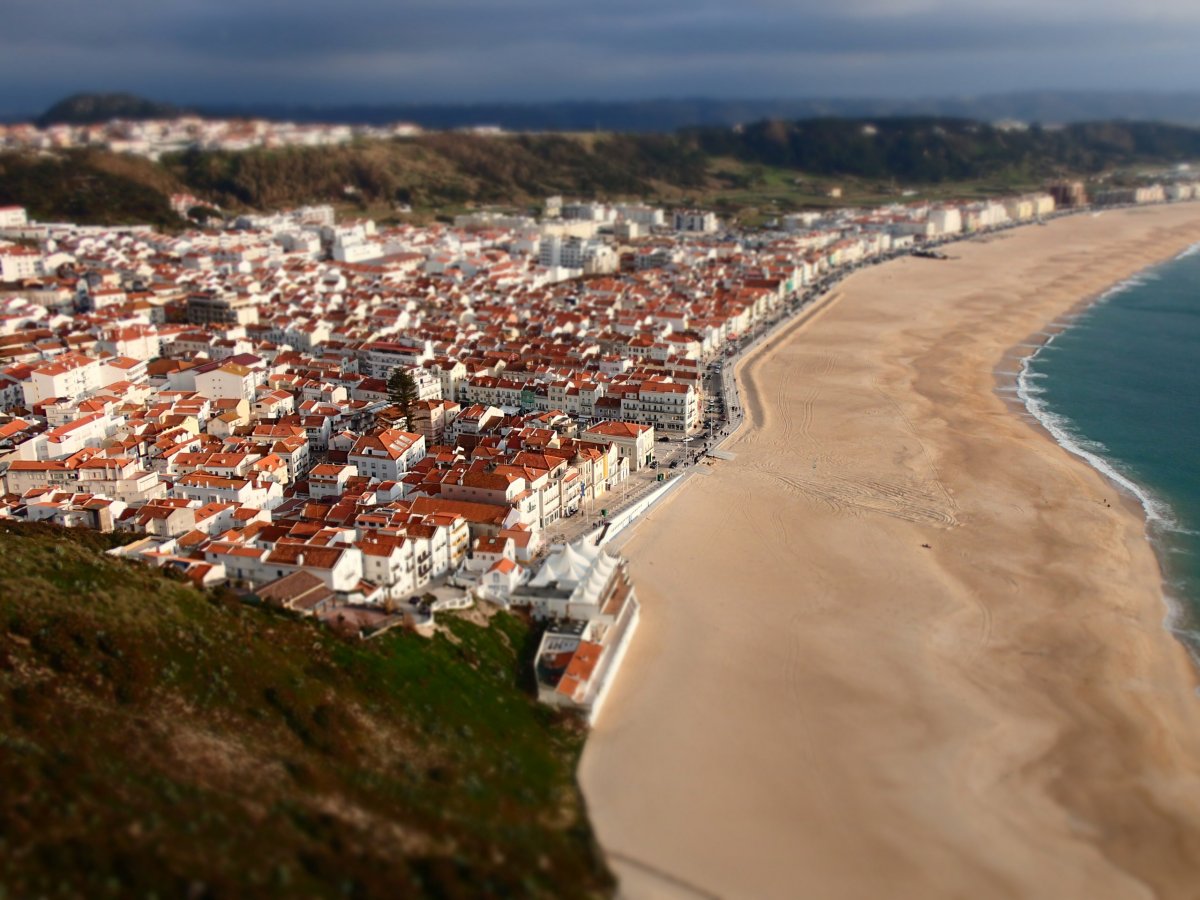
(566,566)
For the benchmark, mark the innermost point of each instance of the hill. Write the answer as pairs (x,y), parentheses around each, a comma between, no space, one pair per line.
(437,170)
(669,114)
(729,169)
(932,150)
(158,741)
(88,187)
(88,109)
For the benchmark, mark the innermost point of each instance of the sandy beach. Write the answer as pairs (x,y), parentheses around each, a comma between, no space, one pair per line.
(819,705)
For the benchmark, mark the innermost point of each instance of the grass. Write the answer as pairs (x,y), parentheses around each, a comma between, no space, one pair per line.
(157,740)
(755,193)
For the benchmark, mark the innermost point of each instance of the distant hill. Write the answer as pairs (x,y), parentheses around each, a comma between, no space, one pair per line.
(934,150)
(665,115)
(87,109)
(668,115)
(159,741)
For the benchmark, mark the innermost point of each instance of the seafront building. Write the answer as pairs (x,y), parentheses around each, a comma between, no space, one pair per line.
(589,601)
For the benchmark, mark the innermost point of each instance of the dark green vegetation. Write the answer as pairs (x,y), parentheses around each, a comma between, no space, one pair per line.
(923,150)
(403,391)
(158,741)
(439,170)
(88,187)
(769,167)
(89,109)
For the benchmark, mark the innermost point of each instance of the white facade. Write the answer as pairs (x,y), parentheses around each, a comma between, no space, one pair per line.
(12,217)
(694,220)
(72,376)
(17,263)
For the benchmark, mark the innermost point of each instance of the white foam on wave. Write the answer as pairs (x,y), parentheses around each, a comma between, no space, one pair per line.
(1158,513)
(1190,251)
(1179,619)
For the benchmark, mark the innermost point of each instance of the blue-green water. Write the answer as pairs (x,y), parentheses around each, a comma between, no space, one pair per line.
(1121,387)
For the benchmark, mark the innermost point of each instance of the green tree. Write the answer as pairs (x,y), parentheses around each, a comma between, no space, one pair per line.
(402,390)
(203,213)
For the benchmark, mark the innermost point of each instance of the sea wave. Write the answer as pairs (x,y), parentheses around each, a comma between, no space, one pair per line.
(1158,513)
(1190,251)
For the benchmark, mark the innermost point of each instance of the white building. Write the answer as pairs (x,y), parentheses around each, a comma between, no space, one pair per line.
(591,600)
(945,220)
(12,217)
(695,220)
(17,262)
(388,455)
(71,375)
(667,406)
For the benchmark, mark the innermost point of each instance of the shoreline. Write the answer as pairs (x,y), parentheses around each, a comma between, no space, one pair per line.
(1156,513)
(927,458)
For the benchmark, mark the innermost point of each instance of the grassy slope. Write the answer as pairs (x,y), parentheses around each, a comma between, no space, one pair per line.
(88,187)
(156,739)
(443,170)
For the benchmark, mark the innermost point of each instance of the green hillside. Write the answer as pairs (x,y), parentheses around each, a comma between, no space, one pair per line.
(439,170)
(158,741)
(926,150)
(766,164)
(88,187)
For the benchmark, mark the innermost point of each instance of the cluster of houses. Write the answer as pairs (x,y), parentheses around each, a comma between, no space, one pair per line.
(223,396)
(154,137)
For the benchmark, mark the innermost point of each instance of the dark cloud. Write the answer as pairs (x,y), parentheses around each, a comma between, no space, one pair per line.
(378,51)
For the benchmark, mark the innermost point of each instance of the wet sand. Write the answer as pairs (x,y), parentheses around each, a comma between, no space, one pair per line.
(817,705)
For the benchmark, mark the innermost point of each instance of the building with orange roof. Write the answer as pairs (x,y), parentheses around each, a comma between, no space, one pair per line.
(634,442)
(593,610)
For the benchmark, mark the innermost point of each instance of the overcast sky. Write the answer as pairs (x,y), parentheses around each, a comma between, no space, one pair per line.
(380,51)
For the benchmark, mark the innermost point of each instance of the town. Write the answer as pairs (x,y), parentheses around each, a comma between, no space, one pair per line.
(370,425)
(152,138)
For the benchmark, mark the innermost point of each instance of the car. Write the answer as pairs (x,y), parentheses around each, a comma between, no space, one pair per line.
(664,440)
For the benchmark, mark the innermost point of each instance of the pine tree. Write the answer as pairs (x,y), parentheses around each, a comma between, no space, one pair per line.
(402,391)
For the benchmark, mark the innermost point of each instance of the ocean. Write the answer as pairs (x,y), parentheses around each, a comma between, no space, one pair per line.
(1120,386)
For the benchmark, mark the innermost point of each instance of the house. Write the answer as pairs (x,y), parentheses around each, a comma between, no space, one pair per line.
(635,443)
(300,592)
(388,455)
(328,481)
(390,562)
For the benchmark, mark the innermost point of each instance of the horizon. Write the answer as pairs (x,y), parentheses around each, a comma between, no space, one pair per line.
(1048,106)
(465,52)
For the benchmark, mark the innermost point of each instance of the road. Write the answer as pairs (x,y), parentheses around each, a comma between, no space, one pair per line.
(723,411)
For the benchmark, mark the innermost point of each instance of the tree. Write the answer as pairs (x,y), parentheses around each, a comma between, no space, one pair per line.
(402,390)
(204,214)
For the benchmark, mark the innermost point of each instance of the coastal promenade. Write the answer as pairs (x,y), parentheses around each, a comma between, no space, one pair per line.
(901,644)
